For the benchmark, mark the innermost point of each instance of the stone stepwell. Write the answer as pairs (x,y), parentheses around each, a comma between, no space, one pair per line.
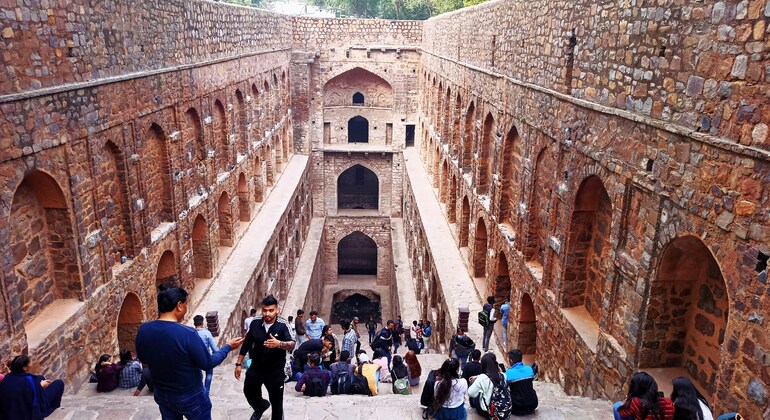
(229,403)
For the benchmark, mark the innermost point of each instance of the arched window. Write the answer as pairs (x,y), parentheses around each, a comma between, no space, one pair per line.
(357,254)
(358,130)
(358,188)
(358,98)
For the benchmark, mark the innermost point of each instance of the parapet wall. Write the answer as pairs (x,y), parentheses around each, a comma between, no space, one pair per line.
(703,66)
(87,40)
(319,33)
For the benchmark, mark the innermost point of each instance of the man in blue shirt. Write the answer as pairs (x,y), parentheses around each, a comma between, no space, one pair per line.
(314,326)
(504,309)
(177,356)
(211,347)
(520,378)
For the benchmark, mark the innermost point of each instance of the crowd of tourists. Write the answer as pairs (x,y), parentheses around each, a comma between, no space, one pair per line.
(176,363)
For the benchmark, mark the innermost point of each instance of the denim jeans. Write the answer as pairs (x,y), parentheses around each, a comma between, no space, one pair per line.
(488,330)
(207,381)
(193,405)
(463,360)
(395,348)
(372,334)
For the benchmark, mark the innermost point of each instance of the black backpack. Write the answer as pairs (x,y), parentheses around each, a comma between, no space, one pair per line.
(426,398)
(500,404)
(315,387)
(343,384)
(360,385)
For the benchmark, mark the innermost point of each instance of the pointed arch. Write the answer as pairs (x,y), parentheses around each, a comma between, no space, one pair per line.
(222,142)
(358,130)
(240,123)
(156,173)
(357,254)
(114,202)
(167,272)
(358,187)
(243,199)
(203,264)
(486,149)
(465,220)
(130,319)
(511,158)
(467,140)
(226,236)
(527,337)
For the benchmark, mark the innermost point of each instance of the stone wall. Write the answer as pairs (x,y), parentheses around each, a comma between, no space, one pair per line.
(669,173)
(376,228)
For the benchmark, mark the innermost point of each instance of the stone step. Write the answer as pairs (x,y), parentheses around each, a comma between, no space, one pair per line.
(229,403)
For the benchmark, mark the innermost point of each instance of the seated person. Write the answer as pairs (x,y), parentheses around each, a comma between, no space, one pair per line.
(520,379)
(131,373)
(146,379)
(370,371)
(381,359)
(107,374)
(413,345)
(342,371)
(314,381)
(27,396)
(415,370)
(643,401)
(313,345)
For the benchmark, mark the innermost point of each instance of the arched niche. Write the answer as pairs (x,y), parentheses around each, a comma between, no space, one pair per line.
(358,130)
(129,320)
(167,272)
(339,89)
(357,254)
(358,188)
(360,303)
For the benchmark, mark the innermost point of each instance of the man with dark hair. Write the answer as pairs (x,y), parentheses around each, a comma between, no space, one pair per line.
(460,346)
(490,327)
(177,356)
(321,346)
(520,378)
(473,367)
(299,327)
(247,321)
(267,342)
(384,341)
(342,374)
(314,381)
(427,330)
(314,326)
(211,347)
(350,338)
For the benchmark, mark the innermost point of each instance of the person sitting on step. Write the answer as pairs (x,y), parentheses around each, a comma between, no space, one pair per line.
(314,381)
(520,379)
(643,401)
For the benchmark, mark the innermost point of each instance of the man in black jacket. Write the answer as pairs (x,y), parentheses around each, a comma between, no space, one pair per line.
(460,347)
(520,379)
(267,342)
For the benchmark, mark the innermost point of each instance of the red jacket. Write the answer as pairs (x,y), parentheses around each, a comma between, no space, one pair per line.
(636,409)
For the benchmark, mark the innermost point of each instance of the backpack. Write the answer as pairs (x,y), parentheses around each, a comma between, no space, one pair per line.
(360,385)
(426,398)
(500,404)
(343,383)
(484,318)
(315,387)
(401,385)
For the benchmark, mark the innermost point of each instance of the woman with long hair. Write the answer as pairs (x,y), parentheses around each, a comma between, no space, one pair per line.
(643,401)
(689,404)
(482,385)
(27,396)
(449,393)
(334,353)
(107,373)
(415,370)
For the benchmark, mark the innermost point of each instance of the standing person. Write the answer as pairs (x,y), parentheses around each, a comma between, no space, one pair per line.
(371,327)
(483,384)
(354,325)
(643,401)
(449,393)
(177,356)
(247,321)
(689,404)
(349,339)
(490,327)
(299,327)
(292,328)
(301,353)
(384,341)
(460,346)
(505,308)
(211,348)
(415,330)
(27,396)
(398,329)
(267,342)
(520,379)
(314,326)
(426,332)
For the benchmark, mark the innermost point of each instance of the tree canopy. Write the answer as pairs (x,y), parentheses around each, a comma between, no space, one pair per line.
(393,9)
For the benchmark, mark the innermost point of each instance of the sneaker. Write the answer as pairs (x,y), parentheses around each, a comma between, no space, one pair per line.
(258,414)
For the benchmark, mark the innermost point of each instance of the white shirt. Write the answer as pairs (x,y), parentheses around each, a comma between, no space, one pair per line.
(706,412)
(492,315)
(267,326)
(457,396)
(247,323)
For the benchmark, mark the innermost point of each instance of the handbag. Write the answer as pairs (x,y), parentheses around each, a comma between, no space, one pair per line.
(401,386)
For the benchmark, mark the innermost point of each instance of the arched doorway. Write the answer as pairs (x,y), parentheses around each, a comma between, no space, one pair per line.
(358,130)
(258,179)
(202,258)
(511,165)
(358,98)
(465,220)
(358,188)
(129,321)
(347,304)
(243,199)
(167,272)
(467,155)
(502,291)
(687,314)
(225,220)
(357,254)
(485,151)
(480,250)
(452,204)
(587,246)
(43,247)
(527,340)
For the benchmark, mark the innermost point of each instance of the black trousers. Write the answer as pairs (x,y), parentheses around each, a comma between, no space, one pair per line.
(273,381)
